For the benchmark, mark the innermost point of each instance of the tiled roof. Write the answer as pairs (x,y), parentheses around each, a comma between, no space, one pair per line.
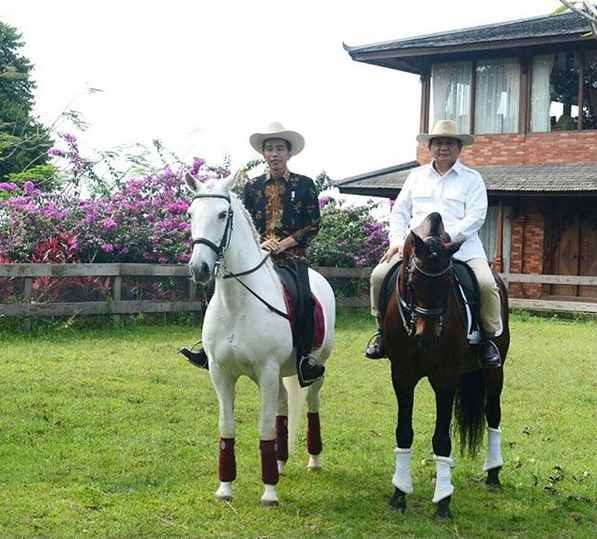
(409,54)
(563,179)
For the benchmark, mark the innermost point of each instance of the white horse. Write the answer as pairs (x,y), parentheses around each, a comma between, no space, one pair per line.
(246,331)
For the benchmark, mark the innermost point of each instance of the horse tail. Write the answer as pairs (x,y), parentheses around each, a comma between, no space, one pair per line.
(469,410)
(296,406)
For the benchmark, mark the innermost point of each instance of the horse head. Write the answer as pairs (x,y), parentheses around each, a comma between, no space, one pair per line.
(211,218)
(427,278)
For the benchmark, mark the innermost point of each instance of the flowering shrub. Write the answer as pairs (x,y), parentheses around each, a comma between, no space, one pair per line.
(349,237)
(143,219)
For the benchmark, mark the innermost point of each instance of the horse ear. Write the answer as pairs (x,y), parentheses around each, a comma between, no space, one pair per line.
(192,183)
(231,180)
(453,246)
(418,242)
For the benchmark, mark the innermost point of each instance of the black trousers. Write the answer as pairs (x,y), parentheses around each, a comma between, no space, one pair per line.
(305,323)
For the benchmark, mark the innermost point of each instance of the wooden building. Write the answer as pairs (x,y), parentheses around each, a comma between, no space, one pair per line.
(527,91)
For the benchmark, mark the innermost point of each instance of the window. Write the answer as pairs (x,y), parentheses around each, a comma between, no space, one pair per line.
(497,96)
(451,93)
(564,92)
(497,84)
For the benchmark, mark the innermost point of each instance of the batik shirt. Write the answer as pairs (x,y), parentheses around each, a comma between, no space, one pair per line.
(284,207)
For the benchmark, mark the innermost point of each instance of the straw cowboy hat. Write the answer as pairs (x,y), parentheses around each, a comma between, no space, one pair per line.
(446,129)
(276,130)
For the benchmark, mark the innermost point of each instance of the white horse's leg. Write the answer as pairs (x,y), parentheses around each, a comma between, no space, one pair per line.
(224,386)
(282,428)
(314,442)
(269,384)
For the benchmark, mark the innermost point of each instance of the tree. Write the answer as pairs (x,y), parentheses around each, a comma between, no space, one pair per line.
(24,141)
(585,9)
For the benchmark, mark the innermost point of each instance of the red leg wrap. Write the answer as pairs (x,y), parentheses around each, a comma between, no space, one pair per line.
(269,466)
(314,443)
(227,460)
(282,437)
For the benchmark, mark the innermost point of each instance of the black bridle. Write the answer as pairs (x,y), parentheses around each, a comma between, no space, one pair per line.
(407,306)
(221,249)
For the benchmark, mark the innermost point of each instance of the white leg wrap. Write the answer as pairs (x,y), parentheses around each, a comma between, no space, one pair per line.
(403,477)
(493,456)
(443,478)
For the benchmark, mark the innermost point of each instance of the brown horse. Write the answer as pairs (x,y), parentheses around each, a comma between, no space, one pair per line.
(426,330)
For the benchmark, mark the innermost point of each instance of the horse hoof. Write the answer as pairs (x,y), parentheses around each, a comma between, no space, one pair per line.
(439,518)
(443,510)
(270,497)
(493,487)
(397,508)
(398,501)
(224,493)
(314,464)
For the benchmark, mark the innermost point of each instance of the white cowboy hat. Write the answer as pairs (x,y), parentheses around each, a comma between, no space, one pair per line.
(276,130)
(446,129)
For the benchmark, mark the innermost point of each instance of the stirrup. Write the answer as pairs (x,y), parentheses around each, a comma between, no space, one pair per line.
(199,359)
(376,350)
(309,370)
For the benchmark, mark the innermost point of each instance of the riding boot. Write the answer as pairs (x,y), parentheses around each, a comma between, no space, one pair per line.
(199,359)
(489,355)
(377,349)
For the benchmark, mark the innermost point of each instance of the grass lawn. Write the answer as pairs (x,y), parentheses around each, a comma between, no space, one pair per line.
(109,433)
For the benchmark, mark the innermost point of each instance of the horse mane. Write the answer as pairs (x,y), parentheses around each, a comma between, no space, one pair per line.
(246,215)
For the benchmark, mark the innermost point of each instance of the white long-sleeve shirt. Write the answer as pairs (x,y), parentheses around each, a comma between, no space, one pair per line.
(459,196)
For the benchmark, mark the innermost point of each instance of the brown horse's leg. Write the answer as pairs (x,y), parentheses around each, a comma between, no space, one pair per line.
(404,439)
(405,394)
(443,486)
(493,414)
(402,479)
(444,401)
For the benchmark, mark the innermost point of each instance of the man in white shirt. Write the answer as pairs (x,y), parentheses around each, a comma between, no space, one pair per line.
(458,193)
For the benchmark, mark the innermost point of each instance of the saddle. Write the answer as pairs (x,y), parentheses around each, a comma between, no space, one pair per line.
(466,283)
(294,298)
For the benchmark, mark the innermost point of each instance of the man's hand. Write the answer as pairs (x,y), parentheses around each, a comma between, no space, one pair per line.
(391,252)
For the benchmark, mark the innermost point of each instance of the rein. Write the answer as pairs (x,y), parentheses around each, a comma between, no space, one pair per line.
(221,249)
(407,306)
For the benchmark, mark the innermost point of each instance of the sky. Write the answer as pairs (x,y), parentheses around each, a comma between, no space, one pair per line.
(201,75)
